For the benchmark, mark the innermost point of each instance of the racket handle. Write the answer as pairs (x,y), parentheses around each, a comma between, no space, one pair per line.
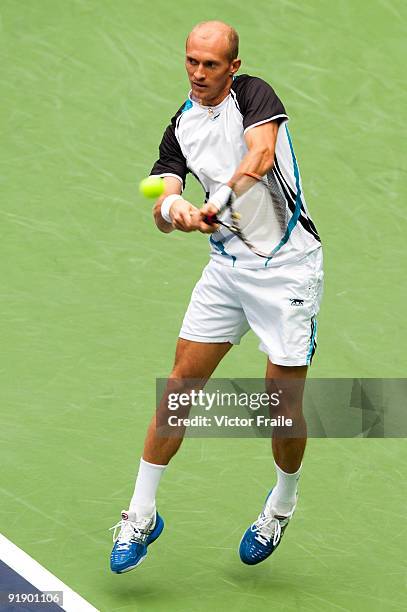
(210,219)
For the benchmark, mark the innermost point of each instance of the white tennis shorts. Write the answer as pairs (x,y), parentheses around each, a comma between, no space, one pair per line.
(279,304)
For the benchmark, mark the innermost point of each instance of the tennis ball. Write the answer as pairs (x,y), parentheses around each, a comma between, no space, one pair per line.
(152,187)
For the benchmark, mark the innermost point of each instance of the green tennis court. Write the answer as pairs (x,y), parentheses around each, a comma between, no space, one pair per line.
(93,297)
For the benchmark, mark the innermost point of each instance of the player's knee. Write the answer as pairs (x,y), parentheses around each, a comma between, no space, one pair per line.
(181,381)
(289,409)
(287,406)
(285,399)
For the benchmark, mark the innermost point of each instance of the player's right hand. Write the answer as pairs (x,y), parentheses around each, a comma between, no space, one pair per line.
(208,210)
(184,215)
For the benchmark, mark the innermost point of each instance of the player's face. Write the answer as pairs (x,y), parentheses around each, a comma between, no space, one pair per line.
(209,69)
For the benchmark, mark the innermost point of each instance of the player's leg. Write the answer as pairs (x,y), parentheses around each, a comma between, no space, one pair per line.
(214,321)
(141,525)
(288,443)
(194,364)
(282,312)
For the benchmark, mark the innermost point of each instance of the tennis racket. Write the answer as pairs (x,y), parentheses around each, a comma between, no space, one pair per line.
(257,217)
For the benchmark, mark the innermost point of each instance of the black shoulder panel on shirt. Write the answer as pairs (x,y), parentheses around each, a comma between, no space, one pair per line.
(257,100)
(171,159)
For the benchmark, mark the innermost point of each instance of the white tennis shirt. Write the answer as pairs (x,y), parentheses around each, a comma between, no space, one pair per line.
(209,143)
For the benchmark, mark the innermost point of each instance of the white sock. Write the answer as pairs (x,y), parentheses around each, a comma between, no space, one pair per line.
(284,495)
(148,479)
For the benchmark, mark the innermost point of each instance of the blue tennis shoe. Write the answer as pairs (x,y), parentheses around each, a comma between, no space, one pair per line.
(130,546)
(263,537)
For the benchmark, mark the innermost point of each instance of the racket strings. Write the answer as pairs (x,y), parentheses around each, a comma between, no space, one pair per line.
(279,201)
(261,217)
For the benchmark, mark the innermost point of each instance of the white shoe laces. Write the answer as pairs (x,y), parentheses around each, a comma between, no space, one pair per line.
(131,532)
(267,527)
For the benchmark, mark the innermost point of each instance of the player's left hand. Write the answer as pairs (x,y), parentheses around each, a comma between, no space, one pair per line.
(207,209)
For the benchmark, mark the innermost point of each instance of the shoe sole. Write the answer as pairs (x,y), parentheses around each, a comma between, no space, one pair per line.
(128,569)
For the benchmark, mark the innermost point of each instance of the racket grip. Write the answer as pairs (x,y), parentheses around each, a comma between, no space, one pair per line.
(210,219)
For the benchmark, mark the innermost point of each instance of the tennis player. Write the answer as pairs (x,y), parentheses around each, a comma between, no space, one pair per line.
(230,129)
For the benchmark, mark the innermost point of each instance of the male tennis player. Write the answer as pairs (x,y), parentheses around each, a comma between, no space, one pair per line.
(230,129)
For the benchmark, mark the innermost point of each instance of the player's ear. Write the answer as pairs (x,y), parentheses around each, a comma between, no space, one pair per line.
(234,66)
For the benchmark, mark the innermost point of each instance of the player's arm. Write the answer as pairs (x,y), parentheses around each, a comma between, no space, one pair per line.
(262,113)
(182,213)
(175,213)
(259,159)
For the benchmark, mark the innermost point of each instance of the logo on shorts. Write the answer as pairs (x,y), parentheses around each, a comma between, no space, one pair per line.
(296,302)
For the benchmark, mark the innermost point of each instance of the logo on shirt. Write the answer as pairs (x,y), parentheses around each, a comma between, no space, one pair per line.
(296,302)
(211,114)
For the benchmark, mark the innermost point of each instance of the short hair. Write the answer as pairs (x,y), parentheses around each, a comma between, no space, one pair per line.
(231,34)
(233,37)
